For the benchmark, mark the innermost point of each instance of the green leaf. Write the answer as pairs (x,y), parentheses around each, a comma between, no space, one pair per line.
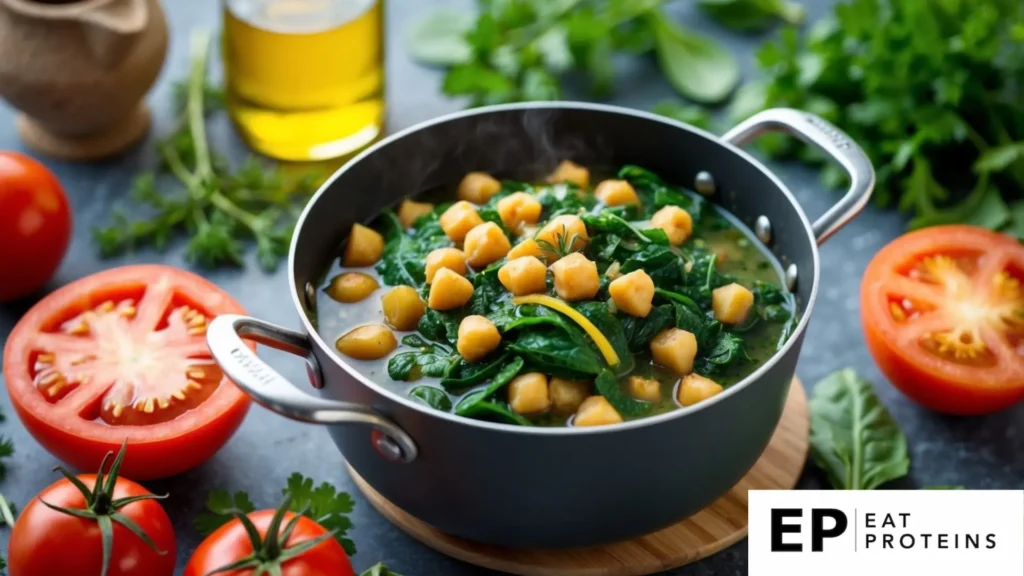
(1015,227)
(323,504)
(992,213)
(999,158)
(692,115)
(379,569)
(608,386)
(433,397)
(752,15)
(853,437)
(440,38)
(219,507)
(467,406)
(465,374)
(698,67)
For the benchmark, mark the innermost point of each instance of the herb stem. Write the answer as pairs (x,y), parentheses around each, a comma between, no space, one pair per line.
(6,514)
(196,119)
(224,204)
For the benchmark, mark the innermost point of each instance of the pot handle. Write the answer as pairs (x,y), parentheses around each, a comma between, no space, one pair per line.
(821,134)
(270,389)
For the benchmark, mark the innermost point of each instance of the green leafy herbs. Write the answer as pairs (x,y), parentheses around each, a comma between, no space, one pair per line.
(323,504)
(854,439)
(218,208)
(931,90)
(379,569)
(519,50)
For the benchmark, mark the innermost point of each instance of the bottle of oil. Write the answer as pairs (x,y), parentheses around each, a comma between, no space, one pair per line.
(305,78)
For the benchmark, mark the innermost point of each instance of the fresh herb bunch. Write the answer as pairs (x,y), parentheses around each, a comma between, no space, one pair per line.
(933,91)
(516,50)
(216,206)
(324,504)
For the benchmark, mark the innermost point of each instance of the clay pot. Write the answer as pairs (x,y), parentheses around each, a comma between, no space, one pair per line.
(78,70)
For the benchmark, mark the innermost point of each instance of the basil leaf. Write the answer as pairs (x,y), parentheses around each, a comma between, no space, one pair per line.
(433,397)
(853,437)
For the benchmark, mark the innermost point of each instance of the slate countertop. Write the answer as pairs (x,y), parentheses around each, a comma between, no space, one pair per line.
(977,452)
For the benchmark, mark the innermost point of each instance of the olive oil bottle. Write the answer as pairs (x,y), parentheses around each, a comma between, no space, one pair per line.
(305,78)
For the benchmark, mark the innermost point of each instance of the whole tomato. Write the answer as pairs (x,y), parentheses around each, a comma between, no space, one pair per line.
(46,541)
(35,225)
(309,550)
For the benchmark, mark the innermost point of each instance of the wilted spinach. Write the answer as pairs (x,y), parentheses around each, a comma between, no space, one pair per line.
(608,386)
(728,350)
(854,439)
(601,317)
(405,252)
(640,331)
(558,352)
(431,360)
(509,371)
(463,374)
(433,397)
(440,326)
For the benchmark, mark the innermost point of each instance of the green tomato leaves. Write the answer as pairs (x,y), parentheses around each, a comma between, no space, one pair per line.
(853,437)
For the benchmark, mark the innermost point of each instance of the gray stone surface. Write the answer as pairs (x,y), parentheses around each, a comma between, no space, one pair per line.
(978,452)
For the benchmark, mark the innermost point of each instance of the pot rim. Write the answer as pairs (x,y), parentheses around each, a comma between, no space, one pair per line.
(567,430)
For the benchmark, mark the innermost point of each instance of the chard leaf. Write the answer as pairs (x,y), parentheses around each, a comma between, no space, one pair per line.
(854,439)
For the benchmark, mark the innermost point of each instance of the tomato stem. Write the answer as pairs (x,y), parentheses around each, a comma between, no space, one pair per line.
(101,506)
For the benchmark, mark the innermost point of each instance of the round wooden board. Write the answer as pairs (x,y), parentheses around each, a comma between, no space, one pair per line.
(713,529)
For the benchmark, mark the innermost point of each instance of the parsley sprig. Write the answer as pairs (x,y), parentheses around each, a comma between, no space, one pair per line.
(931,90)
(215,206)
(323,504)
(515,50)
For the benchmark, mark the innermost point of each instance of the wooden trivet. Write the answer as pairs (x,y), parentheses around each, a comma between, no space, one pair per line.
(711,530)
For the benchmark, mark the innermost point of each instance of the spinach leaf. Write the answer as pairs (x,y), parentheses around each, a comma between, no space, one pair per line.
(608,386)
(430,360)
(561,199)
(462,374)
(728,350)
(655,193)
(853,437)
(433,397)
(640,331)
(490,410)
(488,293)
(503,377)
(662,264)
(440,326)
(555,351)
(609,222)
(405,253)
(678,298)
(602,318)
(532,315)
(703,326)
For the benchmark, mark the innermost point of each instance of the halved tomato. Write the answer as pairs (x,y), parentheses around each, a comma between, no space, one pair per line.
(943,315)
(122,354)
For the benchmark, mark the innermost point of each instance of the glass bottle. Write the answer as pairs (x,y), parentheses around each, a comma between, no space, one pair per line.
(304,78)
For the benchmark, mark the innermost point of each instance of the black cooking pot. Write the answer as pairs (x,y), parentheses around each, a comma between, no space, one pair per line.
(545,487)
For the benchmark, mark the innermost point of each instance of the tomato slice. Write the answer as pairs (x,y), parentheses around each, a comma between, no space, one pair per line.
(943,315)
(122,354)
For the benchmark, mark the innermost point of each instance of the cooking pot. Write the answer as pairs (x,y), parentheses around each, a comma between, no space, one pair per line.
(537,486)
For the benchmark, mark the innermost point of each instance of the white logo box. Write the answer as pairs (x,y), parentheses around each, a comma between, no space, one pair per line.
(888,532)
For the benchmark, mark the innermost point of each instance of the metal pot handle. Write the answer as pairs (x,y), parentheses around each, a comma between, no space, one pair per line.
(831,140)
(270,389)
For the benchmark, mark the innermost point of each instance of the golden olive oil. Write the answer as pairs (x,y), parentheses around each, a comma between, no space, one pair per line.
(305,78)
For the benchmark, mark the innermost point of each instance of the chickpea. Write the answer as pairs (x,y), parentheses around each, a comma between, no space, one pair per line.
(575,278)
(403,308)
(410,211)
(486,244)
(528,247)
(567,230)
(478,187)
(478,337)
(459,219)
(568,171)
(351,287)
(567,395)
(646,389)
(616,193)
(369,342)
(448,290)
(696,388)
(450,258)
(731,303)
(519,209)
(596,411)
(676,222)
(528,393)
(522,276)
(633,293)
(365,246)
(675,349)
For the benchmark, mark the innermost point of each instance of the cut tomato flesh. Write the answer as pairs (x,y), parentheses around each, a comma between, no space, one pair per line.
(123,354)
(943,309)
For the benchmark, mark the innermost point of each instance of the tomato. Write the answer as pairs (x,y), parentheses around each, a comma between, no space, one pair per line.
(943,315)
(35,225)
(46,542)
(122,354)
(231,543)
